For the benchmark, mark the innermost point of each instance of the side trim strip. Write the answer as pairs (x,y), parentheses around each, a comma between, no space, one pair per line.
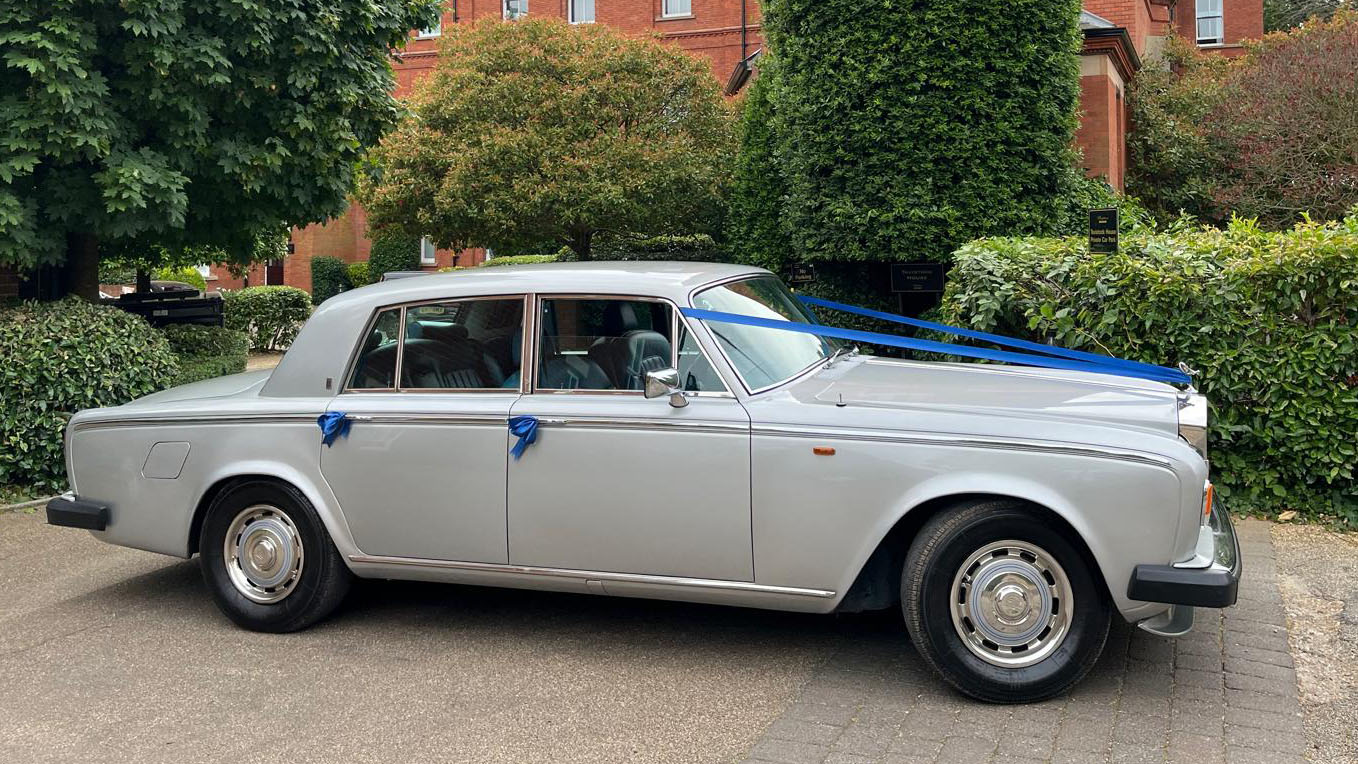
(593,575)
(198,420)
(1002,444)
(686,425)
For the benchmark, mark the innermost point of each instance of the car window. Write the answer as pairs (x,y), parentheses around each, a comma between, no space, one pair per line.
(462,345)
(695,371)
(376,365)
(762,356)
(600,344)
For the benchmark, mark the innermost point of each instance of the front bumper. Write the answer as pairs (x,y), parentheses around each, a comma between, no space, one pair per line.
(1210,579)
(68,511)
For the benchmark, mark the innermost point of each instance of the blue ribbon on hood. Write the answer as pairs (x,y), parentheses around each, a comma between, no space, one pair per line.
(525,428)
(333,424)
(1051,357)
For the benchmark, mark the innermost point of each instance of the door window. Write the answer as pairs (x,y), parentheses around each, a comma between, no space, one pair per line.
(696,374)
(602,344)
(474,344)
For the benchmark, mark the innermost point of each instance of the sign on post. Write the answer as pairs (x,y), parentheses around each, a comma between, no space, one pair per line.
(917,277)
(1103,231)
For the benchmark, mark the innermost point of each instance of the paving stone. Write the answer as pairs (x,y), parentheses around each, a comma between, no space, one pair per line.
(1210,662)
(1139,728)
(1268,740)
(788,752)
(1270,720)
(1195,749)
(1261,701)
(1264,670)
(803,731)
(1136,753)
(1018,746)
(1261,685)
(844,757)
(966,749)
(1238,755)
(821,712)
(928,723)
(866,739)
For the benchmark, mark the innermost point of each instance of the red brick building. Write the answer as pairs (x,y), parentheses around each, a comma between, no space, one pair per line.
(1118,36)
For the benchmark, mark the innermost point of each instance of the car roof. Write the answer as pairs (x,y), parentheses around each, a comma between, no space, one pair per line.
(322,348)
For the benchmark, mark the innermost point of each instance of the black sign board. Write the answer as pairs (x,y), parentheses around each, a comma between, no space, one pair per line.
(917,277)
(1103,231)
(800,274)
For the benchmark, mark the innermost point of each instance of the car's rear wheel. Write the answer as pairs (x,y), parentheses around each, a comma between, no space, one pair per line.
(268,560)
(1002,603)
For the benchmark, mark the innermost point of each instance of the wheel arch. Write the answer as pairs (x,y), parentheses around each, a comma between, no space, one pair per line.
(316,493)
(876,583)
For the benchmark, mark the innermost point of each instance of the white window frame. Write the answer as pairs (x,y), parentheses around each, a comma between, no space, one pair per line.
(428,246)
(1203,14)
(505,13)
(431,32)
(667,13)
(573,12)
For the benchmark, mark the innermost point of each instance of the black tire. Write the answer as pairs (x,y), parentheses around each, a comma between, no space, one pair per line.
(317,589)
(939,550)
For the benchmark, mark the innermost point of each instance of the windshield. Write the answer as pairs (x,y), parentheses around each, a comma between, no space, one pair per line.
(763,356)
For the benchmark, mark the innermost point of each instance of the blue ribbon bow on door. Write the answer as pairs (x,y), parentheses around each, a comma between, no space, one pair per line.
(525,428)
(333,424)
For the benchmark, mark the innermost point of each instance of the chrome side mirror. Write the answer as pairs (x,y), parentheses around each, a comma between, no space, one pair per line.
(664,382)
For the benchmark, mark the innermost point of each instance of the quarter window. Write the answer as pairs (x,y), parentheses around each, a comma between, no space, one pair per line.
(602,344)
(376,366)
(582,11)
(1210,27)
(677,7)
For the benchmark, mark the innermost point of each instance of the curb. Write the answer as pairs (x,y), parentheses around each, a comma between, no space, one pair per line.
(26,504)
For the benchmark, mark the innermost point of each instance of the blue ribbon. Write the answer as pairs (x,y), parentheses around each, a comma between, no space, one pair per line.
(1125,368)
(525,428)
(334,424)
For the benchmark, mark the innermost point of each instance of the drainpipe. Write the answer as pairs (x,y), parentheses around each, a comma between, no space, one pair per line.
(454,11)
(744,26)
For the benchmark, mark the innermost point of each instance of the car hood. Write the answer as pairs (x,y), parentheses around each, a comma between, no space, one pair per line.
(991,390)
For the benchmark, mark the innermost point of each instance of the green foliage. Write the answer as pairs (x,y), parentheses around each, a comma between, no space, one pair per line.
(205,352)
(182,124)
(754,222)
(359,274)
(537,134)
(1270,320)
(329,277)
(270,316)
(1285,14)
(901,133)
(60,357)
(699,247)
(518,260)
(189,276)
(393,251)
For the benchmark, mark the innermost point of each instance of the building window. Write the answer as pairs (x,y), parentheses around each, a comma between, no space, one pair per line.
(427,251)
(1211,31)
(582,11)
(514,9)
(434,31)
(676,8)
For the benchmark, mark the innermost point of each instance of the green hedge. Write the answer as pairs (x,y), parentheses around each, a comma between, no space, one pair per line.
(188,275)
(393,252)
(1269,319)
(270,316)
(698,247)
(329,277)
(518,260)
(205,352)
(60,357)
(360,275)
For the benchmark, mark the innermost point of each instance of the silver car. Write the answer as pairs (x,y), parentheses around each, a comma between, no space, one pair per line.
(566,427)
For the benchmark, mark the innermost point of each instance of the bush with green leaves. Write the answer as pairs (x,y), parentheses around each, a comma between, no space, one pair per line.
(270,316)
(187,275)
(1270,319)
(518,260)
(61,357)
(329,277)
(359,274)
(393,251)
(698,247)
(205,352)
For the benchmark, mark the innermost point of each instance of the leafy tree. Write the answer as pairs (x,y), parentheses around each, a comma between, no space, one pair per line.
(754,223)
(393,250)
(537,134)
(1285,14)
(142,124)
(906,131)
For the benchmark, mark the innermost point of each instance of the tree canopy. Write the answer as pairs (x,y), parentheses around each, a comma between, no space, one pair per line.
(537,134)
(144,123)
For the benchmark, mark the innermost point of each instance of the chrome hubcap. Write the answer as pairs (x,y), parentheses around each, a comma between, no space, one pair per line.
(1011,603)
(263,553)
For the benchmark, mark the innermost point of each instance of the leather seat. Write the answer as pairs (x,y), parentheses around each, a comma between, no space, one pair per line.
(638,352)
(450,362)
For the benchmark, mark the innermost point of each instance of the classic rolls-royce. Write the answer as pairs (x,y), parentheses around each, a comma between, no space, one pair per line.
(568,427)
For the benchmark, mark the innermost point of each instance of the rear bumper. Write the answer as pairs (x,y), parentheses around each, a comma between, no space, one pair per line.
(70,512)
(1210,579)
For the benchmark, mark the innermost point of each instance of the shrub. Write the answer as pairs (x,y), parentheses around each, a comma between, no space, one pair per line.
(1269,319)
(270,316)
(205,352)
(518,260)
(392,251)
(60,357)
(329,277)
(360,275)
(188,275)
(698,247)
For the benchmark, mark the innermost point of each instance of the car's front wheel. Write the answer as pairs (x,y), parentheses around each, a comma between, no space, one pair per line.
(1002,604)
(268,560)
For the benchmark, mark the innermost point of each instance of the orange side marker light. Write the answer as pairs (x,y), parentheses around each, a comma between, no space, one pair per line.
(823,451)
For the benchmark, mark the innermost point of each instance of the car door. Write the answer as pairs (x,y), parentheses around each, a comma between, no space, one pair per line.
(616,482)
(421,473)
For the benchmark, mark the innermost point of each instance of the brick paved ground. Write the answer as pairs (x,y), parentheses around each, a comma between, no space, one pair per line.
(1225,693)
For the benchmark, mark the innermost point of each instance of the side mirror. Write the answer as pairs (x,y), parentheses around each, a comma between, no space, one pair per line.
(664,382)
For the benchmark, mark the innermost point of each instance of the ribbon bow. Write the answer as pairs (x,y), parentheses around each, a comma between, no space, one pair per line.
(334,424)
(525,428)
